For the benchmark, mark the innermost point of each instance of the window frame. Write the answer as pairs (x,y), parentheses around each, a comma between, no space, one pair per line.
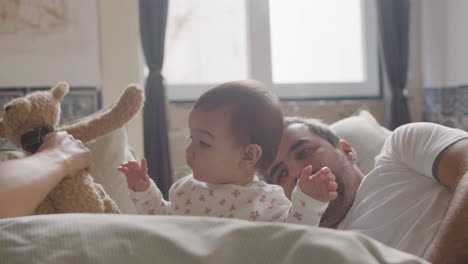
(259,66)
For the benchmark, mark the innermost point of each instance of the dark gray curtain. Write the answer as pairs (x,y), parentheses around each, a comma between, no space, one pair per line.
(153,17)
(394,26)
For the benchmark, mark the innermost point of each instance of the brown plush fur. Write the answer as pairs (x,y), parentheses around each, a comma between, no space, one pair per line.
(76,193)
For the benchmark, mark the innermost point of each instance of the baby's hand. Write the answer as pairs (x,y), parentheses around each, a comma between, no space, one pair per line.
(320,186)
(137,176)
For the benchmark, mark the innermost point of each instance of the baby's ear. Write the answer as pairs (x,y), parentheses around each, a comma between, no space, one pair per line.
(251,155)
(59,91)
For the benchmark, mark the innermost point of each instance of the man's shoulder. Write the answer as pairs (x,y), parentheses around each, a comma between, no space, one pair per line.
(426,128)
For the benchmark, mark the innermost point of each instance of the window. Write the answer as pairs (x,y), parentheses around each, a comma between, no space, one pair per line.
(302,49)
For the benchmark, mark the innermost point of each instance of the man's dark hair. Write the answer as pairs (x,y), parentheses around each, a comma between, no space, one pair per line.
(254,112)
(315,126)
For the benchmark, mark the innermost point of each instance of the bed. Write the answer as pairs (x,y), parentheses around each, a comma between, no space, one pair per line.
(88,238)
(130,238)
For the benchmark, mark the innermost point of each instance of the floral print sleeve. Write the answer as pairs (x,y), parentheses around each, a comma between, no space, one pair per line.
(304,209)
(151,201)
(257,201)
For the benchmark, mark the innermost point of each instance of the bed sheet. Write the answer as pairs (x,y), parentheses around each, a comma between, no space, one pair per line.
(92,238)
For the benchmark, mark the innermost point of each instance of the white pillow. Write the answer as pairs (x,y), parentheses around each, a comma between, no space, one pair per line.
(108,153)
(364,134)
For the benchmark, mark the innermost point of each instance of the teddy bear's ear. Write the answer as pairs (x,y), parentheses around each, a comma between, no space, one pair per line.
(59,90)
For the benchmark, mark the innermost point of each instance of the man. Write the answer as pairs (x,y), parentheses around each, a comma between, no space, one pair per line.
(416,198)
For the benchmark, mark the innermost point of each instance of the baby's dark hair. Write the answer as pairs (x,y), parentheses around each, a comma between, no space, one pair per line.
(254,112)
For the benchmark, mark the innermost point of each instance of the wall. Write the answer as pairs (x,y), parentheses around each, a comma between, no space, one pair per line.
(444,42)
(40,50)
(91,43)
(120,58)
(444,45)
(414,77)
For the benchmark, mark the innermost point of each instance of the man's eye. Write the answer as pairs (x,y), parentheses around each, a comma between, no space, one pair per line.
(204,144)
(304,152)
(281,176)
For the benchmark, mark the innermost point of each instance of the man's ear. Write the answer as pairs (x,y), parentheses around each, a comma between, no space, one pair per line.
(250,156)
(348,150)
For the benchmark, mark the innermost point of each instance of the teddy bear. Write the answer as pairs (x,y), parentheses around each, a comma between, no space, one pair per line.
(26,120)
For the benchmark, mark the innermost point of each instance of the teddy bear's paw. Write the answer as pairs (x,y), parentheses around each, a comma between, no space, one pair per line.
(110,207)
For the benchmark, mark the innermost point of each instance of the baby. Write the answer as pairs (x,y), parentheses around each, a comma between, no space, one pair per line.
(235,130)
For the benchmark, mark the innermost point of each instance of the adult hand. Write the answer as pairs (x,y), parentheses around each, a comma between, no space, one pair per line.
(25,182)
(75,155)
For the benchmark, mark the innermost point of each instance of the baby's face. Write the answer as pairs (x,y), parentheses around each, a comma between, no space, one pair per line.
(212,154)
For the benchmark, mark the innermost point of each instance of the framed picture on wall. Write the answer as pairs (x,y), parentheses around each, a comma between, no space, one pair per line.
(7,94)
(80,102)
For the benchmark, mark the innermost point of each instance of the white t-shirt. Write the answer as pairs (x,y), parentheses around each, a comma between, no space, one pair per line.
(400,203)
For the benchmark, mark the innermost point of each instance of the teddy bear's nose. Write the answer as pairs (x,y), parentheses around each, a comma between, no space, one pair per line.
(8,107)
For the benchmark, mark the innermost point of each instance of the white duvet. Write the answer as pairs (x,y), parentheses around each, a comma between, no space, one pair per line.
(87,238)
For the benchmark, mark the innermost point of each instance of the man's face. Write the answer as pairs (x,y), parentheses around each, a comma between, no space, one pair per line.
(299,148)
